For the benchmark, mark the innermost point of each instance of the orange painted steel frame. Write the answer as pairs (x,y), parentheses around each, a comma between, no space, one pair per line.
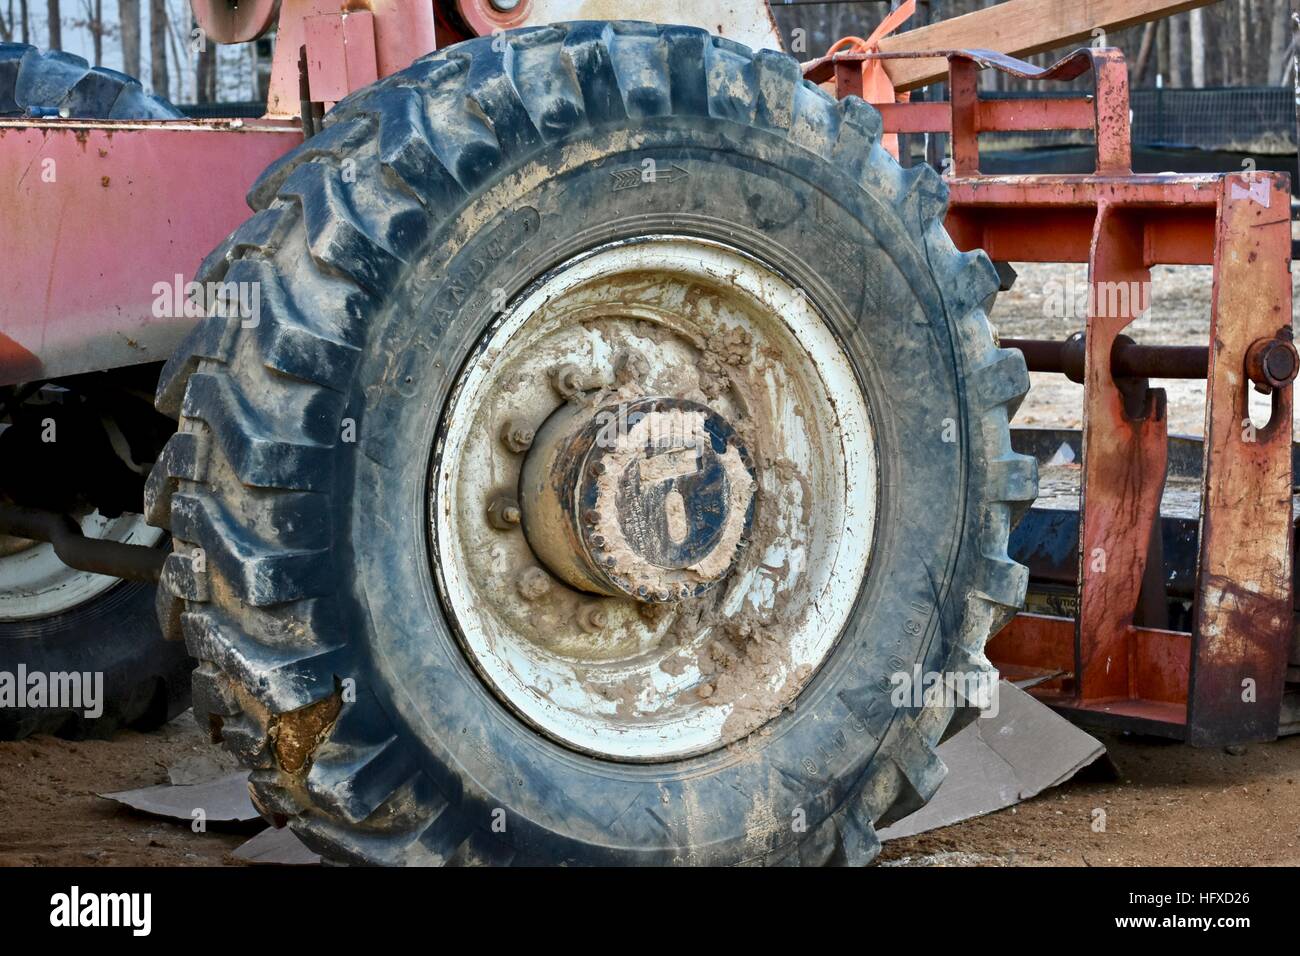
(1223,682)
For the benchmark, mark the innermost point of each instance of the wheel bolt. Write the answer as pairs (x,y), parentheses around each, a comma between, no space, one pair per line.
(593,618)
(503,513)
(533,584)
(630,368)
(568,380)
(518,438)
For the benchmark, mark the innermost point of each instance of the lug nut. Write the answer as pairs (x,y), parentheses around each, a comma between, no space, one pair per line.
(568,380)
(518,438)
(503,513)
(593,618)
(630,368)
(533,584)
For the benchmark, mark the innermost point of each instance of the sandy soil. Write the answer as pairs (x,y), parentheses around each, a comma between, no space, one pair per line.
(1169,805)
(52,815)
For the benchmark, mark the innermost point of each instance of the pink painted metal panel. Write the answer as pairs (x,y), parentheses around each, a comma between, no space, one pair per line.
(403,32)
(340,54)
(97,214)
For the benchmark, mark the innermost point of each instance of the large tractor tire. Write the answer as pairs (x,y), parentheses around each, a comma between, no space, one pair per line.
(621,425)
(54,619)
(39,83)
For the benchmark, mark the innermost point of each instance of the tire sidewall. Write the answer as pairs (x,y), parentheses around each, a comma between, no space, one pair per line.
(116,635)
(866,269)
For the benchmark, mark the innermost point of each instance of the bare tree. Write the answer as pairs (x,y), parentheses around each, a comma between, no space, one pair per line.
(55,24)
(205,68)
(1196,25)
(1176,34)
(27,21)
(1144,53)
(157,46)
(128,15)
(1279,41)
(94,22)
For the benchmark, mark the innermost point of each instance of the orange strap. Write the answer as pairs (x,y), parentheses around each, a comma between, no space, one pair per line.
(876,85)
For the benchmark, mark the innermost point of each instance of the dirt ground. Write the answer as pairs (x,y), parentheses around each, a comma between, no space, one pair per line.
(1167,804)
(52,815)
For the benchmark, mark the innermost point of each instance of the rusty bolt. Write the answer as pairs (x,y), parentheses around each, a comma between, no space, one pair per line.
(1272,363)
(518,438)
(704,691)
(533,584)
(568,380)
(591,516)
(503,513)
(593,618)
(630,368)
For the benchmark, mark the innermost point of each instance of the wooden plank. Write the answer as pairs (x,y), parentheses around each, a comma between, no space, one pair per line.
(1018,28)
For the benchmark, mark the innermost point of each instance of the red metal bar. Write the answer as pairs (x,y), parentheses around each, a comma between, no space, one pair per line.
(1244,598)
(1114,151)
(1124,448)
(963,88)
(995,115)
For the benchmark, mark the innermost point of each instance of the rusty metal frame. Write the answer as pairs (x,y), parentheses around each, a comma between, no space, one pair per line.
(1223,681)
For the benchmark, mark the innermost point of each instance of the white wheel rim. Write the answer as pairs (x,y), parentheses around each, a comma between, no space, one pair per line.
(35,584)
(659,685)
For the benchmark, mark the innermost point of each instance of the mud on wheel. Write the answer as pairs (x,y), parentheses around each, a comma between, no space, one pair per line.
(620,419)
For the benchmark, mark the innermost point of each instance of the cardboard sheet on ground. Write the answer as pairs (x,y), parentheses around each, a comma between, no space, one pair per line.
(278,847)
(223,800)
(996,762)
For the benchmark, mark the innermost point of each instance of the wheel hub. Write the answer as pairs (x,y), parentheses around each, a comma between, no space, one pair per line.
(652,499)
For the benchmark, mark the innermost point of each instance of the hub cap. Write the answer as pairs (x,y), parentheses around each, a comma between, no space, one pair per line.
(653,499)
